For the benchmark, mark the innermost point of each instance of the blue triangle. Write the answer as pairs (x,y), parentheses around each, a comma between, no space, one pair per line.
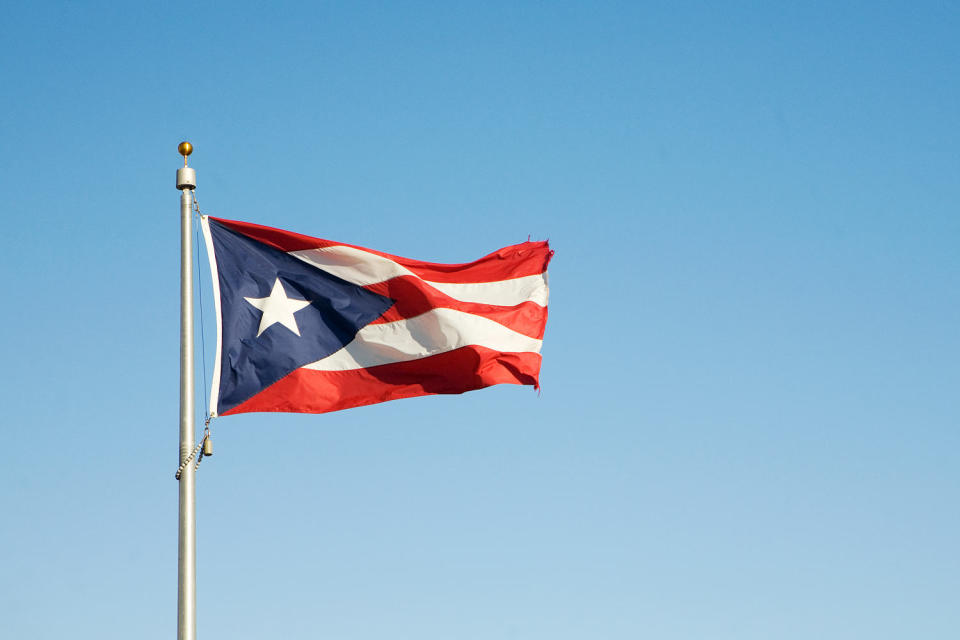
(247,268)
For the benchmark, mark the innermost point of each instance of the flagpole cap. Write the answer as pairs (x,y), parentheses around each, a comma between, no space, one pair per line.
(186,177)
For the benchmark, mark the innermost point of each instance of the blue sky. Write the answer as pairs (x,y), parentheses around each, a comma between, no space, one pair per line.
(748,424)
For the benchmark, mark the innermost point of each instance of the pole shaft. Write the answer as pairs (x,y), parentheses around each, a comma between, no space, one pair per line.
(187,556)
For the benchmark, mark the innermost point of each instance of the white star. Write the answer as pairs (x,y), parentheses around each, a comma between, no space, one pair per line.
(277,307)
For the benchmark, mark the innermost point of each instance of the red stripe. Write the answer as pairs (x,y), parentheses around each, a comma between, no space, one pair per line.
(466,369)
(515,261)
(414,297)
(276,238)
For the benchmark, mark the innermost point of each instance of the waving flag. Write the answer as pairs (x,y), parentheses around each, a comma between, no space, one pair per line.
(309,325)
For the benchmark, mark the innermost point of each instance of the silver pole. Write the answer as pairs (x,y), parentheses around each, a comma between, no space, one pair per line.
(187,556)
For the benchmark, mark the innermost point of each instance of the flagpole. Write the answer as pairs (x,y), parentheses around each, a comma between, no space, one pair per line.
(187,554)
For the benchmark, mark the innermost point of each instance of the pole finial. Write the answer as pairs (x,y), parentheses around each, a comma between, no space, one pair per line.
(186,177)
(185,149)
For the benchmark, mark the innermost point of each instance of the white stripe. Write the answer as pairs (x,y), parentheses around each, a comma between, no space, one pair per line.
(434,332)
(505,292)
(353,265)
(364,268)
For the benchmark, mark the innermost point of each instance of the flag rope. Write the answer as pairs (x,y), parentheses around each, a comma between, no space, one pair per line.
(192,455)
(203,356)
(203,342)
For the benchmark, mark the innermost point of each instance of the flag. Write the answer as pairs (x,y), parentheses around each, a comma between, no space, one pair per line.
(310,325)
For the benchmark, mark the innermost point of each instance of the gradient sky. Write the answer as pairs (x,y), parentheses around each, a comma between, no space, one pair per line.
(748,426)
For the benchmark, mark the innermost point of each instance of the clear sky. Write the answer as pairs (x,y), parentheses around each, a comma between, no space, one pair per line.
(748,426)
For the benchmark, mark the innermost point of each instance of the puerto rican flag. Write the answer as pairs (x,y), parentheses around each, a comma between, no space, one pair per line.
(309,325)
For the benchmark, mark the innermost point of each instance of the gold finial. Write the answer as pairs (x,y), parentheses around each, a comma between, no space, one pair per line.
(185,149)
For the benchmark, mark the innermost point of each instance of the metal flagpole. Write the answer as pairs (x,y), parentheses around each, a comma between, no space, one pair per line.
(187,556)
